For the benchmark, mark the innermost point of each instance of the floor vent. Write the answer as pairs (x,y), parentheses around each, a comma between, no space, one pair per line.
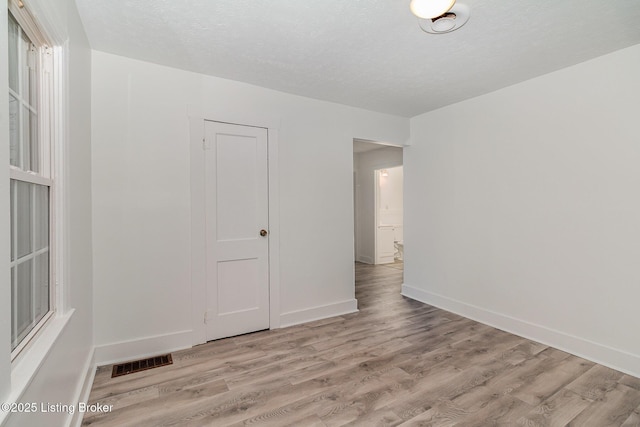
(141,365)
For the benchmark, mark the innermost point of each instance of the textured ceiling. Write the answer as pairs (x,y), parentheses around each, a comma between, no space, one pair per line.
(366,53)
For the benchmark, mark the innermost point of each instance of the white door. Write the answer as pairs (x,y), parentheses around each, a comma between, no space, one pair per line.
(237,220)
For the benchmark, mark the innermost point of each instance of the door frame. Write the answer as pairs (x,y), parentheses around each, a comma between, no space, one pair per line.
(198,216)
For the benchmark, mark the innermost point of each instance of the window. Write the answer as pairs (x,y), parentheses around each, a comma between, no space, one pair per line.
(31,183)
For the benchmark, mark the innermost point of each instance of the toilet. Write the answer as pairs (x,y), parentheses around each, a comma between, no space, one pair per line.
(399,247)
(398,242)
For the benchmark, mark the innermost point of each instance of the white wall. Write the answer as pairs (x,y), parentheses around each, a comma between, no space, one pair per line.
(365,165)
(62,375)
(524,209)
(141,221)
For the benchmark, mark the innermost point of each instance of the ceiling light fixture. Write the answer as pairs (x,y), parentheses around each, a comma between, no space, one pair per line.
(439,16)
(429,9)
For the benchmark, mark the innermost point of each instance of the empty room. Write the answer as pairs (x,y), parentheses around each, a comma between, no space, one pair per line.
(320,213)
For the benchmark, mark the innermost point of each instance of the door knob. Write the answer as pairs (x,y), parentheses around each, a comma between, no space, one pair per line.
(263,232)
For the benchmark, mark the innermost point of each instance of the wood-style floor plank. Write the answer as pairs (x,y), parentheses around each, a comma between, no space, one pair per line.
(612,410)
(557,411)
(633,420)
(395,362)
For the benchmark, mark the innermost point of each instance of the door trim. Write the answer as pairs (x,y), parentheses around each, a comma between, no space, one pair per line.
(198,217)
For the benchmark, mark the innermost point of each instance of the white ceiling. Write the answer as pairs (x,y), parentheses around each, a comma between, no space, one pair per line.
(365,53)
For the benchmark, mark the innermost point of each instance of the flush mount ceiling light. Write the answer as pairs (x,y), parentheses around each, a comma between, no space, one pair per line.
(439,16)
(429,9)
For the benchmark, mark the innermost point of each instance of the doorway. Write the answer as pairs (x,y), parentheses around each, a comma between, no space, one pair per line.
(389,223)
(377,231)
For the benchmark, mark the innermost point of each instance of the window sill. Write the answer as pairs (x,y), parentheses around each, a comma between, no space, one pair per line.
(26,366)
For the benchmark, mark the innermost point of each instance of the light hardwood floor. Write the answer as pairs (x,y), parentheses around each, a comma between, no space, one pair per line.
(395,362)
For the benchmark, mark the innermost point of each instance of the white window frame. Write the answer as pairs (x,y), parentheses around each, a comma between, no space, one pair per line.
(48,122)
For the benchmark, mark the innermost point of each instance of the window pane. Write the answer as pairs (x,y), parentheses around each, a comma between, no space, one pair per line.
(14,130)
(21,304)
(26,139)
(33,141)
(40,287)
(41,217)
(27,63)
(13,294)
(24,69)
(13,54)
(23,214)
(33,79)
(12,219)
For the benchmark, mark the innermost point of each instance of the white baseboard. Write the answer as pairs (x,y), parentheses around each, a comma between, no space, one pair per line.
(123,351)
(84,388)
(599,353)
(316,313)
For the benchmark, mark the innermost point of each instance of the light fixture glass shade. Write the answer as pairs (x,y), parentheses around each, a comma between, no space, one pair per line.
(428,9)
